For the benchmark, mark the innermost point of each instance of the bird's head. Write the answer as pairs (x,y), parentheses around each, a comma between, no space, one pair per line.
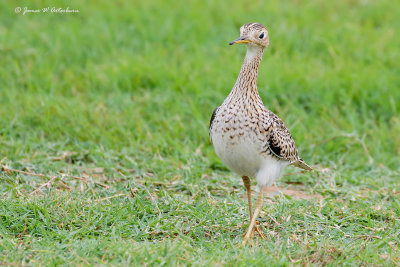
(253,34)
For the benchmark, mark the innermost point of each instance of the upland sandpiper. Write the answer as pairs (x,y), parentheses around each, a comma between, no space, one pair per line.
(248,138)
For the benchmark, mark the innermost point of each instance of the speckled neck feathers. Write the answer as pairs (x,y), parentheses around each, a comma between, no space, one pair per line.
(246,83)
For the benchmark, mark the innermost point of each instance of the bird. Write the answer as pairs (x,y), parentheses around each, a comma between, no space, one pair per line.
(248,138)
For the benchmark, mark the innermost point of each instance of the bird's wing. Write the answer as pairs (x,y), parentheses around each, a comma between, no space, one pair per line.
(281,143)
(211,121)
(280,140)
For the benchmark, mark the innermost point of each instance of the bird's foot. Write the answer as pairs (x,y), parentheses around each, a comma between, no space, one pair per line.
(260,232)
(257,229)
(246,239)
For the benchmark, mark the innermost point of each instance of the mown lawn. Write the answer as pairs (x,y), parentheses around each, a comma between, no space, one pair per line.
(112,106)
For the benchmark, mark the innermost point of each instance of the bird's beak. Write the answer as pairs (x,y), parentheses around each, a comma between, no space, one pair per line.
(240,40)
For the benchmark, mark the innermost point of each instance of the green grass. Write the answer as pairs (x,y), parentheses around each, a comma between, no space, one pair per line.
(121,95)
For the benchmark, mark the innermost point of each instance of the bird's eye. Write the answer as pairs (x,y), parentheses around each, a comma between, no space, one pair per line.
(261,35)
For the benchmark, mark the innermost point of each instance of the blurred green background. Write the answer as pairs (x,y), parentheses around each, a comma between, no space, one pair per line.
(129,86)
(121,73)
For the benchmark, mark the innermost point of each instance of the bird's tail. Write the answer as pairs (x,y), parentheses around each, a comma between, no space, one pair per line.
(302,165)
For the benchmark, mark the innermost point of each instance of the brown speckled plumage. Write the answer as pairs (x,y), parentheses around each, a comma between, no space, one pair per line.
(250,139)
(242,117)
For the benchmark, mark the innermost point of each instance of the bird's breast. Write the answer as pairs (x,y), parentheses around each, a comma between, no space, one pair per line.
(237,143)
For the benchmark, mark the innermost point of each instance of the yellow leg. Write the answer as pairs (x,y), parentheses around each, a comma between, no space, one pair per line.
(246,182)
(258,207)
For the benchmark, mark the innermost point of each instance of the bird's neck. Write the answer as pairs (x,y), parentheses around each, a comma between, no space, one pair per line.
(246,83)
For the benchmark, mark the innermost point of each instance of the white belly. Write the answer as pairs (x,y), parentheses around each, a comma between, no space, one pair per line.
(242,155)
